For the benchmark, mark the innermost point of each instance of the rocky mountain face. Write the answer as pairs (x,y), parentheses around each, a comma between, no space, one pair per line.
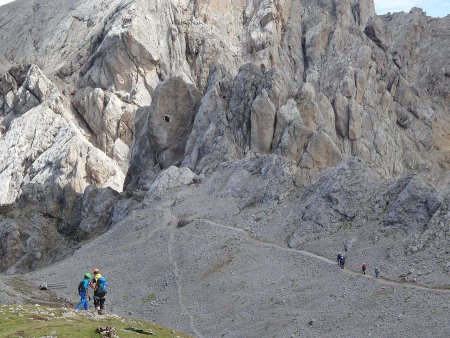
(309,125)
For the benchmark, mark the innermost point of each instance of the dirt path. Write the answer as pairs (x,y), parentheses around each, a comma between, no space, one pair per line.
(178,280)
(326,260)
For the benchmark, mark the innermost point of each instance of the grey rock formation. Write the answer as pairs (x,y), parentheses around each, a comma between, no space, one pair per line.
(96,212)
(258,139)
(110,120)
(47,162)
(262,123)
(258,59)
(164,127)
(29,240)
(171,178)
(222,244)
(40,147)
(170,120)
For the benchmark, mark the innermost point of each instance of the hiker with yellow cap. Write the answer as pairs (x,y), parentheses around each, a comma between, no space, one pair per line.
(99,284)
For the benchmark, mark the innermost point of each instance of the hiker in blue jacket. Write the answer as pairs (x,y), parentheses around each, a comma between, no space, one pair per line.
(83,289)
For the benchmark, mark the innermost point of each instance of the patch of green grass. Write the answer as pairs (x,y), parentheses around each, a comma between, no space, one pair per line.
(345,226)
(37,321)
(387,234)
(151,297)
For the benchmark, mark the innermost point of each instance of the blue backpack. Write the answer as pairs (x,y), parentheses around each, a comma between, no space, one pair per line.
(102,285)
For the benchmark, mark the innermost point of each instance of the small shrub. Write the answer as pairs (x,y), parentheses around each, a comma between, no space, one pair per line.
(345,226)
(151,297)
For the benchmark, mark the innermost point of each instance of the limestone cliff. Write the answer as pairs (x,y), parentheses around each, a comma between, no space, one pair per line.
(315,81)
(310,125)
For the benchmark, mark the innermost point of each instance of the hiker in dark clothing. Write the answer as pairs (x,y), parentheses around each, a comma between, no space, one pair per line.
(342,262)
(364,267)
(338,258)
(377,272)
(99,285)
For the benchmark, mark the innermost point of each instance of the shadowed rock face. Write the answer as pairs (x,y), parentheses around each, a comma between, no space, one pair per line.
(310,125)
(170,119)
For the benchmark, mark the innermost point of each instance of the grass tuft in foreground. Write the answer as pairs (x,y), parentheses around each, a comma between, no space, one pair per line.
(39,321)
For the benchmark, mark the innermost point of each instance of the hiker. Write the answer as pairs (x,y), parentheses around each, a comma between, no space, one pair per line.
(83,291)
(364,267)
(342,262)
(377,272)
(338,258)
(99,284)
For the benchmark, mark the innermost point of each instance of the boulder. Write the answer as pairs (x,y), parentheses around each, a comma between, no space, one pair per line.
(323,151)
(410,209)
(170,178)
(263,113)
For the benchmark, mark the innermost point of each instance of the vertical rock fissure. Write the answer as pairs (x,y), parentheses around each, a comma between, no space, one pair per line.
(305,58)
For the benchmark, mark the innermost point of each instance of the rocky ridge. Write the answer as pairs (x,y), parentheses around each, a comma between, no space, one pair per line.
(311,125)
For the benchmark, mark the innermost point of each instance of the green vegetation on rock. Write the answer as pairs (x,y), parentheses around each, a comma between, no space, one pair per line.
(151,297)
(37,321)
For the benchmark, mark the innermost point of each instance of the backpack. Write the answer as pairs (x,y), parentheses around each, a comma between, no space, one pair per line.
(102,285)
(82,286)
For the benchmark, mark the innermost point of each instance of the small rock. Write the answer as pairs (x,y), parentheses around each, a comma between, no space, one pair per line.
(108,331)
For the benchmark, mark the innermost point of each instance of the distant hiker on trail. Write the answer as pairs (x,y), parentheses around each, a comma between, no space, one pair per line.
(364,267)
(83,291)
(99,284)
(338,258)
(377,272)
(342,262)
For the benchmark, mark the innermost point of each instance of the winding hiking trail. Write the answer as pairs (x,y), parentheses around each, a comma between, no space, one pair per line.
(326,260)
(178,279)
